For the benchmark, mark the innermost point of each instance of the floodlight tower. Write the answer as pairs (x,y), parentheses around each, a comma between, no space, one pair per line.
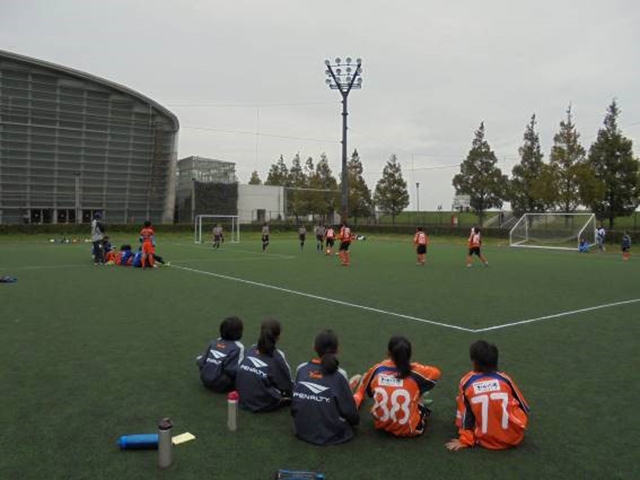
(344,77)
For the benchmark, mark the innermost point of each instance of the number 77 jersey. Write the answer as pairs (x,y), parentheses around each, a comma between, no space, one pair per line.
(492,412)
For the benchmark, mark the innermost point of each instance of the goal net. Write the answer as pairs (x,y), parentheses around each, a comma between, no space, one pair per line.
(203,232)
(562,231)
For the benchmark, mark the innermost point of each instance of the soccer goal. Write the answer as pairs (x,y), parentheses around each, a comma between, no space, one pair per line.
(562,231)
(203,231)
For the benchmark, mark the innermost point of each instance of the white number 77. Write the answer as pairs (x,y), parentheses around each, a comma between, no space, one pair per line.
(483,400)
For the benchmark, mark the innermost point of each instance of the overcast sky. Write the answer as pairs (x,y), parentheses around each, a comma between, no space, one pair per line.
(432,71)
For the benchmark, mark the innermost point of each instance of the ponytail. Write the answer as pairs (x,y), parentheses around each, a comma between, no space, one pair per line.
(400,352)
(326,346)
(269,334)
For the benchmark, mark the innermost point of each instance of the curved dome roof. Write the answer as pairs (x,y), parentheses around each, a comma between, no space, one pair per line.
(92,78)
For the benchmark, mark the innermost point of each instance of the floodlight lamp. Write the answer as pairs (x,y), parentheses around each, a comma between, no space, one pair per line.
(348,60)
(328,72)
(360,80)
(337,60)
(359,61)
(327,63)
(338,71)
(349,79)
(348,69)
(328,81)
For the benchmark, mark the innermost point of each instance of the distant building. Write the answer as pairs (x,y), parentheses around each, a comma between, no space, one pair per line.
(205,186)
(72,144)
(260,203)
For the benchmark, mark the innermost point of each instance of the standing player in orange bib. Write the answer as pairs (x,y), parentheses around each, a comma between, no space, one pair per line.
(492,412)
(147,237)
(475,241)
(420,241)
(330,237)
(345,241)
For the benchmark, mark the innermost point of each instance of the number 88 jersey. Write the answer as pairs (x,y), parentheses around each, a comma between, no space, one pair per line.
(397,406)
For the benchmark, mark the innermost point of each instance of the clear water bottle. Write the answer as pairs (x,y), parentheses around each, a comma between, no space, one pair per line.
(164,443)
(232,415)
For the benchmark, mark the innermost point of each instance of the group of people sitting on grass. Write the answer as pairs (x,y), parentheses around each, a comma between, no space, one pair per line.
(491,410)
(103,252)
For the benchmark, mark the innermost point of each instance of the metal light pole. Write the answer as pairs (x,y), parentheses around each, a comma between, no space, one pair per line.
(344,81)
(418,196)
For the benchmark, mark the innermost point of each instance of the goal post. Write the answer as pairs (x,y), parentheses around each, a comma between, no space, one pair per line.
(203,230)
(559,231)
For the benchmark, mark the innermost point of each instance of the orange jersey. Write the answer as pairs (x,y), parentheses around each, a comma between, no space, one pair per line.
(474,240)
(345,234)
(492,412)
(396,400)
(420,238)
(146,234)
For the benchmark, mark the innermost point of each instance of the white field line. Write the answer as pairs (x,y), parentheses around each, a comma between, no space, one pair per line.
(324,299)
(557,315)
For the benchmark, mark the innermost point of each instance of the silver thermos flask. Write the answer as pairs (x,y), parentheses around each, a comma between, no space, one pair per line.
(164,443)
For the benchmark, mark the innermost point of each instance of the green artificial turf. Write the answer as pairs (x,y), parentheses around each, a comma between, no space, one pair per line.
(91,353)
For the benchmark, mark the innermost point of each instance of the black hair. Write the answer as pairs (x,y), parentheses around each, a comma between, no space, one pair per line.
(326,346)
(484,356)
(125,248)
(419,229)
(231,329)
(147,223)
(400,352)
(269,334)
(476,229)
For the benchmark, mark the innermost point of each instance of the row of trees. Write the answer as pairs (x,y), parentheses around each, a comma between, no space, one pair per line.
(605,180)
(312,189)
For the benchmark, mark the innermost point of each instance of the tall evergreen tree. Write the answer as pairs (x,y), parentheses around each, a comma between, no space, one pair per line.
(567,162)
(324,180)
(391,194)
(360,201)
(479,176)
(522,194)
(278,174)
(255,178)
(296,201)
(612,163)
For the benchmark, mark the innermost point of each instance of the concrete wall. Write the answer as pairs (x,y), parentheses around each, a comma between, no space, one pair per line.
(259,203)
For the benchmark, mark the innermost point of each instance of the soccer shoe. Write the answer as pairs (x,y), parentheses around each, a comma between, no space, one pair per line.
(354,382)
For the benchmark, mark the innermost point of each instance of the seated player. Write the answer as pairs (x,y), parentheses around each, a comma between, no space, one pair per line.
(626,246)
(491,412)
(583,246)
(219,363)
(397,387)
(264,377)
(137,259)
(109,252)
(322,406)
(124,258)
